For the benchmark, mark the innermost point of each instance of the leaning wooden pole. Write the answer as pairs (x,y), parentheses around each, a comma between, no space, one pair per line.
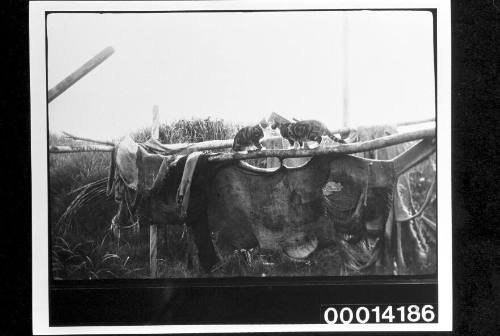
(79,73)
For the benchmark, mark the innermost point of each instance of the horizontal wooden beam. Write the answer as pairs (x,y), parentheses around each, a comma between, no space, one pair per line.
(221,144)
(340,149)
(79,149)
(183,148)
(101,142)
(408,123)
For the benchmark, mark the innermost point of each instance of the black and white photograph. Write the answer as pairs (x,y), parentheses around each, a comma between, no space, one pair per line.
(205,145)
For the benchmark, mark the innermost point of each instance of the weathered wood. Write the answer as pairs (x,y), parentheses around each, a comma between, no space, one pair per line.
(153,229)
(283,154)
(74,137)
(341,149)
(79,73)
(345,69)
(153,250)
(408,123)
(188,148)
(414,155)
(79,149)
(155,128)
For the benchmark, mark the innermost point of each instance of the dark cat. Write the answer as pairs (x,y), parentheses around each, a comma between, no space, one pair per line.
(304,130)
(248,136)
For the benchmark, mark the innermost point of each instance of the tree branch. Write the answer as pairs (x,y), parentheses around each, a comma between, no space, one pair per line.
(340,149)
(74,137)
(79,149)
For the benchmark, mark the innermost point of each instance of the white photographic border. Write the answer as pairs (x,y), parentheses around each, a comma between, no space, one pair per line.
(40,239)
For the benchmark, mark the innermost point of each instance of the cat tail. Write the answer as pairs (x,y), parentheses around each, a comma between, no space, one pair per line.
(334,137)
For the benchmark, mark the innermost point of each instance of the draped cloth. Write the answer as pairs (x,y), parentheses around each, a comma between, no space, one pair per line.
(127,154)
(183,192)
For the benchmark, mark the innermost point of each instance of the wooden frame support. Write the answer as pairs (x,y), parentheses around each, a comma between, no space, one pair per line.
(153,251)
(153,229)
(414,155)
(340,149)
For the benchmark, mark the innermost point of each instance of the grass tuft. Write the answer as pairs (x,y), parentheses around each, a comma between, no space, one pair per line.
(80,215)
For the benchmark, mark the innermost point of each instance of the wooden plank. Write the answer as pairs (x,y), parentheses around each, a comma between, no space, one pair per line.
(79,73)
(153,251)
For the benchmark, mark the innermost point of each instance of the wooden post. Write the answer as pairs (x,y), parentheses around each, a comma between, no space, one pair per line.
(79,73)
(153,229)
(345,68)
(153,250)
(155,128)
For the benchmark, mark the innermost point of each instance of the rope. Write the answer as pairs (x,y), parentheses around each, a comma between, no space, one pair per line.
(424,206)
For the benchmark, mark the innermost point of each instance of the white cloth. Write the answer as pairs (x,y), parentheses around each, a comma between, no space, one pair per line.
(126,162)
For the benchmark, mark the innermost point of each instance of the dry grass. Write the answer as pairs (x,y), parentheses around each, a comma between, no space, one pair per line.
(84,248)
(82,244)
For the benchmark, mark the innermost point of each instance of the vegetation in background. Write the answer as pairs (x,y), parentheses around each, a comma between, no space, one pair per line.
(88,250)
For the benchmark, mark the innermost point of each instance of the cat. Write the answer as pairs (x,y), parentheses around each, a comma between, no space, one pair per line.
(304,130)
(248,136)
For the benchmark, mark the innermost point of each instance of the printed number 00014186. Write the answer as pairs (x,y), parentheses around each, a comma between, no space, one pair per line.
(347,314)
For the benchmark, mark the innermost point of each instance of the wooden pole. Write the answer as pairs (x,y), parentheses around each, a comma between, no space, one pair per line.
(345,69)
(219,144)
(153,229)
(340,149)
(79,149)
(101,142)
(155,128)
(408,123)
(79,73)
(153,250)
(184,148)
(408,159)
